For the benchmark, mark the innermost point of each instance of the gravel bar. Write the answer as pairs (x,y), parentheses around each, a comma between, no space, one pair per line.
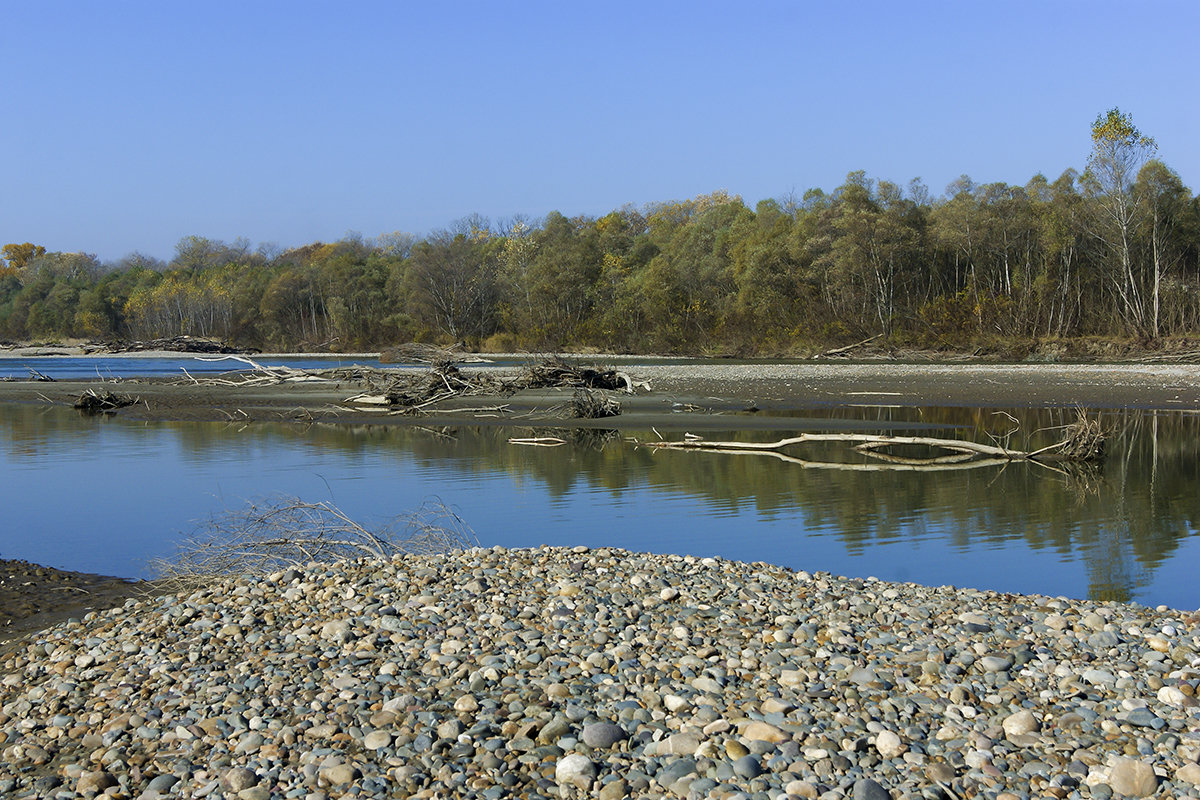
(555,672)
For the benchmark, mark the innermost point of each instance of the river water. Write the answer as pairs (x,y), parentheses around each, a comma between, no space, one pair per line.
(103,495)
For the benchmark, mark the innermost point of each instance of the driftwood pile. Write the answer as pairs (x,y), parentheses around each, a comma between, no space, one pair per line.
(420,353)
(410,392)
(557,373)
(591,404)
(93,402)
(173,344)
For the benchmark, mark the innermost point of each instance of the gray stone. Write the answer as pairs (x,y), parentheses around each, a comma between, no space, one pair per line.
(748,767)
(868,789)
(995,663)
(603,734)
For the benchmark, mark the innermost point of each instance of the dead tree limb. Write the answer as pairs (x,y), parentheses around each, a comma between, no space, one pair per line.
(1084,442)
(843,350)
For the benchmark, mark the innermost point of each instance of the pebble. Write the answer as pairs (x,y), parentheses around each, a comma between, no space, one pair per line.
(602,735)
(1133,778)
(575,770)
(549,672)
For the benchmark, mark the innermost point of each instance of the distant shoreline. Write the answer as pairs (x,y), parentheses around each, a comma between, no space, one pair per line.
(683,396)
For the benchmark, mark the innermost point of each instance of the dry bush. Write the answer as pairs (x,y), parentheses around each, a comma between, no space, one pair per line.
(589,404)
(1084,440)
(289,532)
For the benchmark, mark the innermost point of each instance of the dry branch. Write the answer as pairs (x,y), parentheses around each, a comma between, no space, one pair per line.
(839,351)
(1084,441)
(290,533)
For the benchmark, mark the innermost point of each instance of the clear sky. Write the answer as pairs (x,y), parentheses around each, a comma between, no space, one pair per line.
(128,125)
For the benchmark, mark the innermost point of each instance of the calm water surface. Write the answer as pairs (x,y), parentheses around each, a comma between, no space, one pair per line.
(103,495)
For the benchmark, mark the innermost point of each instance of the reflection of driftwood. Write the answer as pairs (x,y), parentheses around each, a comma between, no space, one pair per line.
(902,465)
(838,351)
(1084,442)
(291,533)
(93,402)
(538,441)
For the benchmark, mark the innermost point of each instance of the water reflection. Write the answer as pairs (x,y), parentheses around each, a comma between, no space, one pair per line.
(101,494)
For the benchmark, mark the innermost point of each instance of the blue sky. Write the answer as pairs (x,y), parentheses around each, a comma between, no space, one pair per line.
(129,125)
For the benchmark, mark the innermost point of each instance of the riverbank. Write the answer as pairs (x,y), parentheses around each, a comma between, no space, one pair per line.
(34,597)
(567,672)
(683,395)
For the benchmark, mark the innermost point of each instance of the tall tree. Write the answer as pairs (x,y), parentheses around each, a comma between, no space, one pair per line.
(1119,150)
(18,256)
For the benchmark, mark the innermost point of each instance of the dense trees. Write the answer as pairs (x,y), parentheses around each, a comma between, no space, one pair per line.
(1114,251)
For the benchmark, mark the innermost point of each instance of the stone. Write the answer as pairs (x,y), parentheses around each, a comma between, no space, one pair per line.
(94,782)
(683,744)
(802,789)
(1132,777)
(889,744)
(377,739)
(748,766)
(602,735)
(1189,773)
(1020,723)
(995,663)
(575,770)
(868,789)
(764,732)
(1171,696)
(614,790)
(340,774)
(240,778)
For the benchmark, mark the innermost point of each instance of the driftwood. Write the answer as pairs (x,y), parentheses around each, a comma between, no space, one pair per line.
(174,344)
(592,404)
(429,354)
(1083,441)
(838,351)
(555,372)
(93,402)
(408,392)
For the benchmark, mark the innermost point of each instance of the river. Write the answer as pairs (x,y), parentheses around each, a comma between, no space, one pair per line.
(100,494)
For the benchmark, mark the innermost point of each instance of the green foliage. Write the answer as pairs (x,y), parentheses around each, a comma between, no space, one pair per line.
(1111,251)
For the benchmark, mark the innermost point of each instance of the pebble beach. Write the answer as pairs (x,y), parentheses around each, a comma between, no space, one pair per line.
(552,672)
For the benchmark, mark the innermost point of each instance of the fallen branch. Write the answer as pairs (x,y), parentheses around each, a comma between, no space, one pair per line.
(1084,442)
(843,350)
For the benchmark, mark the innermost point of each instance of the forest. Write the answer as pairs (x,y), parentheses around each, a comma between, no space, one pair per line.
(1111,252)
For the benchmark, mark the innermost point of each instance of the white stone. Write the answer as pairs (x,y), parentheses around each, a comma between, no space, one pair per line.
(575,770)
(1020,723)
(889,745)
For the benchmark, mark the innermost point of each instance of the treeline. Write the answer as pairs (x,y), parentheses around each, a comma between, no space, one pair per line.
(1113,251)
